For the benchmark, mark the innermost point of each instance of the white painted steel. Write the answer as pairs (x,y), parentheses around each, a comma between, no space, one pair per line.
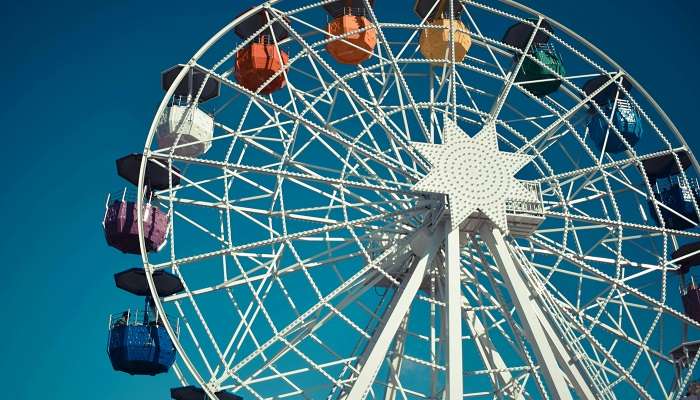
(520,295)
(378,346)
(474,174)
(502,379)
(396,361)
(455,380)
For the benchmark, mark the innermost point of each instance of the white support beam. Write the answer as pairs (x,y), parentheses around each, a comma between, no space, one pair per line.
(489,354)
(520,295)
(566,361)
(377,348)
(396,361)
(455,379)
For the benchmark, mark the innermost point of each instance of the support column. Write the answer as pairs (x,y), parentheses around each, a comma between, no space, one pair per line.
(566,361)
(455,379)
(489,355)
(520,295)
(396,361)
(377,348)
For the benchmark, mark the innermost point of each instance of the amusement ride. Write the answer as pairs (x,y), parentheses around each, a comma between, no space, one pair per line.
(469,201)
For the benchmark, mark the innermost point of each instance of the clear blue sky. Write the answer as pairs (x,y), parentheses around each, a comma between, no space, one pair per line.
(81,81)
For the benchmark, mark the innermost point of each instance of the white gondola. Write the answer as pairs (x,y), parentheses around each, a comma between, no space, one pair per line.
(187,128)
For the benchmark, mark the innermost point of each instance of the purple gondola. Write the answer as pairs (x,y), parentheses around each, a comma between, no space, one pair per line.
(690,294)
(121,228)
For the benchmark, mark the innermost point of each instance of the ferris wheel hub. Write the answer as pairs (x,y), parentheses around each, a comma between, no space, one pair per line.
(477,177)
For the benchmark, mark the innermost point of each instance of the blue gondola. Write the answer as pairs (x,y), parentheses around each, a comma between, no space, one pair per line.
(670,190)
(679,211)
(139,346)
(624,118)
(138,342)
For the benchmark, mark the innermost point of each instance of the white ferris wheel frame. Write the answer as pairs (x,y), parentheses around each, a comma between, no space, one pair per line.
(549,349)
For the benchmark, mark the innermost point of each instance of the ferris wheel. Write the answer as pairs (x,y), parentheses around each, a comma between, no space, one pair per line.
(343,199)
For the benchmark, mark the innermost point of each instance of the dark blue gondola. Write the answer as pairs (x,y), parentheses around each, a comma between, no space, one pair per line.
(140,346)
(138,342)
(615,108)
(195,393)
(679,212)
(676,198)
(624,118)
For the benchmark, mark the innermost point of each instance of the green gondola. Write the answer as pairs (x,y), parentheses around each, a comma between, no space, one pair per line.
(545,74)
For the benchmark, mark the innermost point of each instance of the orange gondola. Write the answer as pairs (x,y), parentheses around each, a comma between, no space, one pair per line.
(259,64)
(352,48)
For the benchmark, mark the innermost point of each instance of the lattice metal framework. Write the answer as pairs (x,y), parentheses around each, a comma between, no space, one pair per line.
(314,269)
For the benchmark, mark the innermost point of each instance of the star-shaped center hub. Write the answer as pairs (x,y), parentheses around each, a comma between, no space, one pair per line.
(474,174)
